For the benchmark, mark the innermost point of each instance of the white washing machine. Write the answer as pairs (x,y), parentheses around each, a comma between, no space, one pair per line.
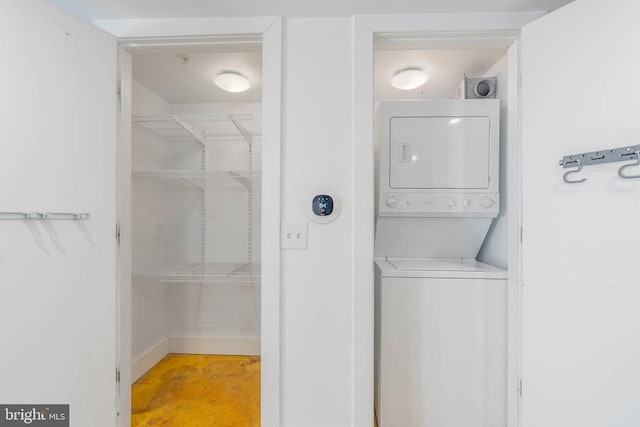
(440,343)
(440,332)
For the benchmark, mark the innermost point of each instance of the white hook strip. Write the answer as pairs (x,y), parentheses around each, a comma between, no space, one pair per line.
(45,215)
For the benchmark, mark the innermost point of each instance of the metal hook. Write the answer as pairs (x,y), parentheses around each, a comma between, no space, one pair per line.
(566,174)
(630,165)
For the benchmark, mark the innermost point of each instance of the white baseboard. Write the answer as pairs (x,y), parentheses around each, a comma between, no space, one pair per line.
(149,359)
(193,345)
(213,345)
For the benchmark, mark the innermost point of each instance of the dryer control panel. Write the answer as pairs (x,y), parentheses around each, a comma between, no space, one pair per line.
(424,204)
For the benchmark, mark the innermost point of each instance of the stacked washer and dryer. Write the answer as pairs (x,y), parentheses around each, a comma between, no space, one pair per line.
(440,336)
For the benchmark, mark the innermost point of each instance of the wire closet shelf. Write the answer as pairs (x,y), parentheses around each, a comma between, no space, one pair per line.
(206,129)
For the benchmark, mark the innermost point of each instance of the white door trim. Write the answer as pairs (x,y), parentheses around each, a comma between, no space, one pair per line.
(270,30)
(123,259)
(514,243)
(362,224)
(186,27)
(488,27)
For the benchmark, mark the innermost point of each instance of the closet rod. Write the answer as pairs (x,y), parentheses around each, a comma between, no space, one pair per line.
(44,215)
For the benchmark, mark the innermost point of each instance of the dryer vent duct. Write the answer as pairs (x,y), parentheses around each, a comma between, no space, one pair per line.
(479,88)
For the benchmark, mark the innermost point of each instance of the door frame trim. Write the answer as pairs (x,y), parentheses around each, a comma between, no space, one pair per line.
(490,28)
(269,29)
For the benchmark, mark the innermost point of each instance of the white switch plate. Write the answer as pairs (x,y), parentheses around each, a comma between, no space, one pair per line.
(293,235)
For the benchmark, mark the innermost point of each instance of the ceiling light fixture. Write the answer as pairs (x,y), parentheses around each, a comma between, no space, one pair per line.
(409,78)
(232,82)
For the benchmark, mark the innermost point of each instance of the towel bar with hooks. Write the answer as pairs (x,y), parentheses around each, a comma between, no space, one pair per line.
(44,215)
(620,154)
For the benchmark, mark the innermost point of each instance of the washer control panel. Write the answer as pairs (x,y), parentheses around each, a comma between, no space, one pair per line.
(391,204)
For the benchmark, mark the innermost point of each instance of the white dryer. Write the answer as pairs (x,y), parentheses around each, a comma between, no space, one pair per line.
(440,316)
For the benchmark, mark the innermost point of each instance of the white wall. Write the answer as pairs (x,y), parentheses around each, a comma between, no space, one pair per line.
(494,248)
(321,331)
(60,132)
(227,222)
(58,153)
(317,336)
(222,318)
(581,293)
(149,324)
(317,282)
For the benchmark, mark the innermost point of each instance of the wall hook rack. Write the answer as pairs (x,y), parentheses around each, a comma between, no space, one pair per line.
(620,154)
(44,215)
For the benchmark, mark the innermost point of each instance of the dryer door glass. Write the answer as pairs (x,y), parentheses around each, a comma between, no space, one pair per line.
(439,153)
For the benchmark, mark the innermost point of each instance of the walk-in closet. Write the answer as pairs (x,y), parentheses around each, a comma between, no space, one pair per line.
(196,201)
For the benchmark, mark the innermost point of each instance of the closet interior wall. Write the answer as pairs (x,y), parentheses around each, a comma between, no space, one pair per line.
(150,215)
(494,250)
(196,228)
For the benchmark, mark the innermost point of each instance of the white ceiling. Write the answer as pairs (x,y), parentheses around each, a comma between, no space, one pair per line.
(162,70)
(105,9)
(166,73)
(446,69)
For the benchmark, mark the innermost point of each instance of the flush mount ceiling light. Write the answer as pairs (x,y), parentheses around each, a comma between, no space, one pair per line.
(409,78)
(232,82)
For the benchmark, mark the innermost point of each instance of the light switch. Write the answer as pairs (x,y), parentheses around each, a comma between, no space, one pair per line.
(293,235)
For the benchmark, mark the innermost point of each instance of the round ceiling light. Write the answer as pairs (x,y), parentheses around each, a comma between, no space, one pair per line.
(409,78)
(232,82)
